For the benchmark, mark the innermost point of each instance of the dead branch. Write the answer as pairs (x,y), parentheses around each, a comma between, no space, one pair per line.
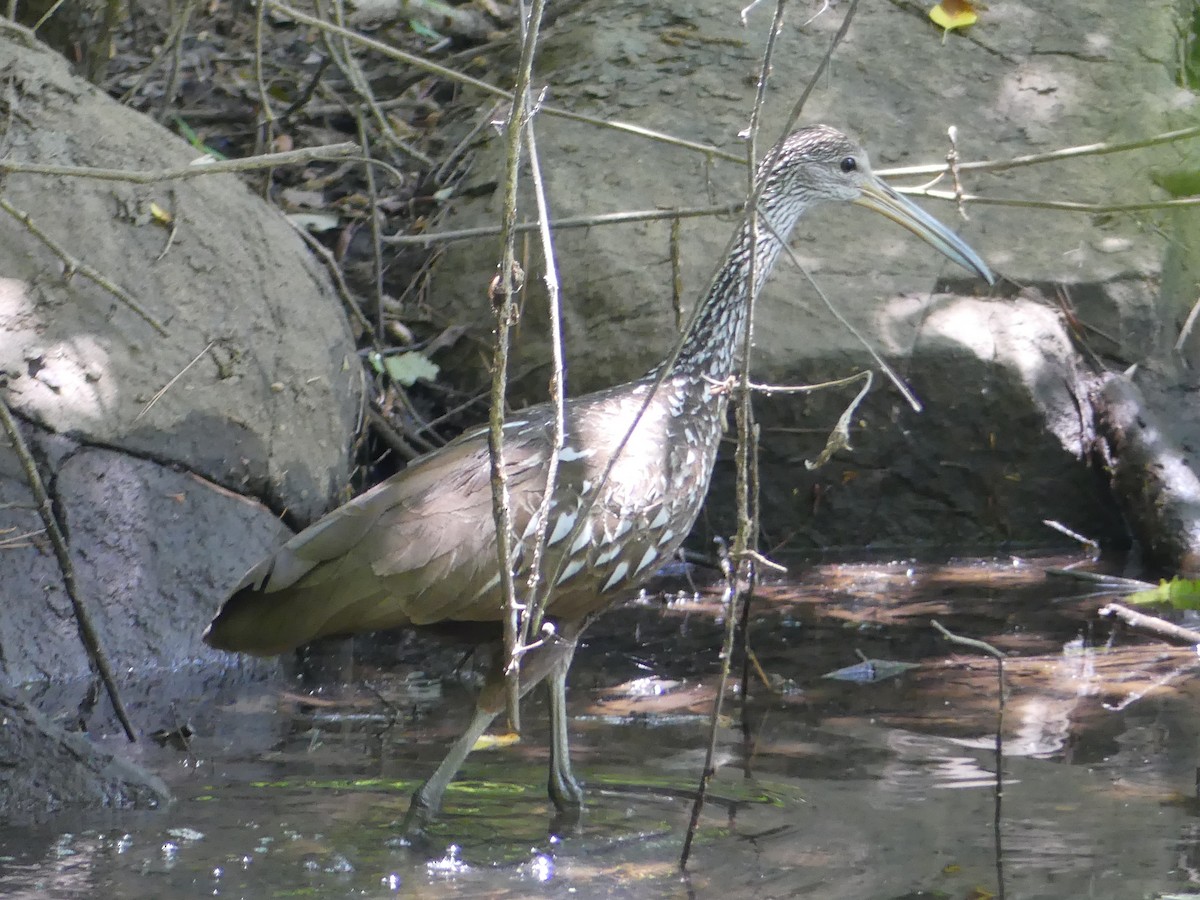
(1150,624)
(87,631)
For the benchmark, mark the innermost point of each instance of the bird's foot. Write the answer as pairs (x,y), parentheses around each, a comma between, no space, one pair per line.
(565,822)
(567,796)
(421,812)
(565,792)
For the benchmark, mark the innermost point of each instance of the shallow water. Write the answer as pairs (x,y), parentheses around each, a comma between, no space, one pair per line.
(835,788)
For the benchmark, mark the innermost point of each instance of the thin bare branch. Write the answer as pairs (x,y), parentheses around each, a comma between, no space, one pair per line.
(72,265)
(505,315)
(1059,205)
(538,600)
(87,631)
(1033,159)
(339,281)
(166,387)
(617,218)
(887,370)
(203,165)
(1151,624)
(747,523)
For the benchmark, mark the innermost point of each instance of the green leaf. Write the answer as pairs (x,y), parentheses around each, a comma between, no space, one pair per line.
(423,30)
(408,368)
(190,135)
(1179,182)
(1181,593)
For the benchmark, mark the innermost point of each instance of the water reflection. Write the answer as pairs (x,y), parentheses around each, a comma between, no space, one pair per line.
(858,789)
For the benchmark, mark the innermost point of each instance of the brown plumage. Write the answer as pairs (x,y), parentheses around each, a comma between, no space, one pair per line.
(420,548)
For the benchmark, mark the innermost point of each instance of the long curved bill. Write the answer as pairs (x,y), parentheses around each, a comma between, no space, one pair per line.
(878,196)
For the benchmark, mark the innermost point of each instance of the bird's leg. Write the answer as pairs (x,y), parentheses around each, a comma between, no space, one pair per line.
(564,789)
(551,659)
(428,797)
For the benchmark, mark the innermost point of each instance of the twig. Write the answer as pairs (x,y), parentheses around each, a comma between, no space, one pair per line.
(838,37)
(1003,165)
(1059,205)
(676,272)
(346,60)
(373,211)
(428,427)
(390,435)
(177,26)
(416,431)
(71,265)
(617,218)
(455,161)
(172,228)
(740,590)
(728,600)
(1151,624)
(1114,582)
(204,165)
(764,561)
(1092,544)
(339,280)
(87,632)
(752,662)
(746,455)
(952,163)
(310,89)
(166,387)
(19,541)
(998,655)
(46,16)
(770,389)
(981,646)
(913,401)
(264,131)
(532,621)
(505,314)
(1188,324)
(176,55)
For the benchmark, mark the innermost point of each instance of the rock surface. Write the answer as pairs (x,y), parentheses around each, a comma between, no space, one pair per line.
(271,399)
(45,770)
(142,439)
(254,387)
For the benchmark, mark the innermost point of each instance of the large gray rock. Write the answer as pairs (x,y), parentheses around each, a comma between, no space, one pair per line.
(255,389)
(154,550)
(980,466)
(255,385)
(268,408)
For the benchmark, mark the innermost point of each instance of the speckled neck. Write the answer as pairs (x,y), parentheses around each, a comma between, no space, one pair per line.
(713,346)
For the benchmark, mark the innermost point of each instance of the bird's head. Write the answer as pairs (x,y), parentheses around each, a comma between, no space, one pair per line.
(819,164)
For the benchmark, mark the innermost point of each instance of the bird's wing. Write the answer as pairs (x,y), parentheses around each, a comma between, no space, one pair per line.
(404,552)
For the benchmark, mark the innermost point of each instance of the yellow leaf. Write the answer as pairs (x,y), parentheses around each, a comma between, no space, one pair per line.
(496,741)
(160,215)
(951,14)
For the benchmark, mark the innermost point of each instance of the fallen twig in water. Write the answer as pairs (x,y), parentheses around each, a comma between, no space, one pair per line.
(1151,624)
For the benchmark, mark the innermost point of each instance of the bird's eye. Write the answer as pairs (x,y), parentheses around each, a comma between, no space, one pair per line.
(849,164)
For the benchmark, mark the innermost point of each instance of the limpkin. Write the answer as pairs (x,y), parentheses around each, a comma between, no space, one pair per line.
(419,549)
